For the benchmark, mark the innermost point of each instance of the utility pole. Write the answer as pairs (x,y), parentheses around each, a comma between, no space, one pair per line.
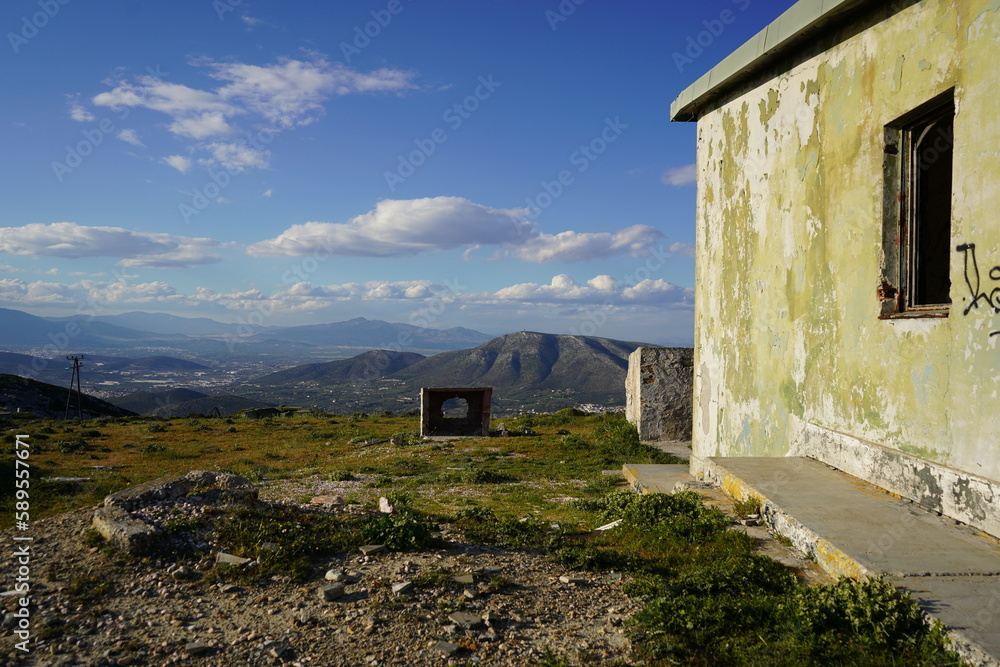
(79,394)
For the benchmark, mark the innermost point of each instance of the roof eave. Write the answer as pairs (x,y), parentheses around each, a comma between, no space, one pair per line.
(801,22)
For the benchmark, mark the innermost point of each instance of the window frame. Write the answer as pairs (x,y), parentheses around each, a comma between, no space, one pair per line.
(900,215)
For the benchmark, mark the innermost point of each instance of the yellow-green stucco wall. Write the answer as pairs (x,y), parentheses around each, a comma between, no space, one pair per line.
(789,250)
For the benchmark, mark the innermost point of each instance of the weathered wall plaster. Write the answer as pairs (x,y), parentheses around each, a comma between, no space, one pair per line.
(789,247)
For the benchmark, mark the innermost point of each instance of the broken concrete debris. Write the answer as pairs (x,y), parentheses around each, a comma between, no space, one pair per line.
(121,520)
(331,592)
(230,559)
(464,619)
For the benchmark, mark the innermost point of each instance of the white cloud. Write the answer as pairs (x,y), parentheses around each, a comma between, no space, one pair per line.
(131,137)
(581,246)
(179,162)
(173,99)
(7,268)
(681,249)
(400,228)
(201,126)
(239,157)
(371,290)
(267,193)
(680,176)
(77,111)
(69,240)
(109,293)
(602,289)
(282,95)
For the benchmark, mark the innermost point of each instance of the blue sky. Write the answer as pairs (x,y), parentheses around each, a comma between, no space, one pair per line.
(499,165)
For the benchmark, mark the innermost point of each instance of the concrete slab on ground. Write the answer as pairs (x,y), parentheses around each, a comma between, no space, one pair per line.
(653,478)
(679,448)
(854,528)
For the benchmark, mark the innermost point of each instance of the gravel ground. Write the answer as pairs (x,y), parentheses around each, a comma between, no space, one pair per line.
(154,614)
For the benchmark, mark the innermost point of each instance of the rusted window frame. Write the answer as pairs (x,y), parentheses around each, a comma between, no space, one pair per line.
(899,212)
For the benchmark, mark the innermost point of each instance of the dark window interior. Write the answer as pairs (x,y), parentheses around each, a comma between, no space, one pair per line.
(930,167)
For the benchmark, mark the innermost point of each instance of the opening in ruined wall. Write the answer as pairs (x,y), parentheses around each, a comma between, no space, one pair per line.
(455,408)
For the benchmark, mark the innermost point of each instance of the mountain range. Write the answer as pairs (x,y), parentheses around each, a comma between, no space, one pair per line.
(528,370)
(137,351)
(20,330)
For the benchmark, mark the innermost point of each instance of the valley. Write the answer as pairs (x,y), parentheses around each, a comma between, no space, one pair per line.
(143,359)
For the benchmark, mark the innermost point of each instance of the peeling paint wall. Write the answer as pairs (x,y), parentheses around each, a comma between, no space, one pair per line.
(790,254)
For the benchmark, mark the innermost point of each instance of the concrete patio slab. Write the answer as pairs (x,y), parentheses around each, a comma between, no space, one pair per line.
(855,529)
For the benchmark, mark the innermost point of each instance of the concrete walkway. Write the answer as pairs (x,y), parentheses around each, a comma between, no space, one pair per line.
(855,529)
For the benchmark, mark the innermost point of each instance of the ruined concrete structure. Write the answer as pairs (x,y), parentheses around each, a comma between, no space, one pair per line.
(658,392)
(475,421)
(848,248)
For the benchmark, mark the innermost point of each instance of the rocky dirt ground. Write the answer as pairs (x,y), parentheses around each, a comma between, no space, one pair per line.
(90,609)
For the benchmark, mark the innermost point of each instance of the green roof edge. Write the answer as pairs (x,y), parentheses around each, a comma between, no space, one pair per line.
(800,22)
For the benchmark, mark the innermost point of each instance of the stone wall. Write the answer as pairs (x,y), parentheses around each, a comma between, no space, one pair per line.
(658,392)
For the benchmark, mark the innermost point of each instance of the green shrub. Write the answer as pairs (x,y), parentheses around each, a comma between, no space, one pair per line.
(341,476)
(302,538)
(583,556)
(475,515)
(382,481)
(600,485)
(482,525)
(401,531)
(485,476)
(618,441)
(746,507)
(872,609)
(75,446)
(573,441)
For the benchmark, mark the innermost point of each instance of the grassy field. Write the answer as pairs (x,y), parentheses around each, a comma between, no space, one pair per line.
(709,598)
(562,459)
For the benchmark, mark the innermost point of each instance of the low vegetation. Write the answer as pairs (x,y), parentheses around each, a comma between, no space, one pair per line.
(708,598)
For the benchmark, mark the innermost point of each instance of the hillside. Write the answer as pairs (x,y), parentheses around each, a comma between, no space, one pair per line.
(529,360)
(528,371)
(362,332)
(226,403)
(146,402)
(47,400)
(366,366)
(183,402)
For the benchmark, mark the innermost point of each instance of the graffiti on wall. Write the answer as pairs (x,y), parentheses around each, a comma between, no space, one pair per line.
(974,281)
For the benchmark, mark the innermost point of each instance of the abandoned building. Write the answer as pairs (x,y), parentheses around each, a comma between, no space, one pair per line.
(848,248)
